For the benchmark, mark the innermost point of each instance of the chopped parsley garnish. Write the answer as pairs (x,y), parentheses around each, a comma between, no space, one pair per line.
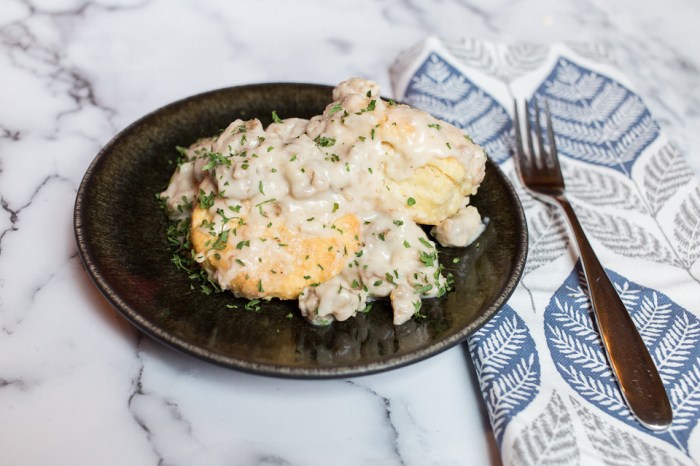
(410,202)
(417,314)
(335,108)
(205,200)
(398,223)
(242,244)
(425,243)
(260,204)
(221,213)
(323,141)
(276,117)
(428,259)
(184,157)
(178,236)
(253,305)
(221,241)
(435,125)
(370,107)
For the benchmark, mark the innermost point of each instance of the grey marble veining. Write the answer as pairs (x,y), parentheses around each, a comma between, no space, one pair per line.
(78,385)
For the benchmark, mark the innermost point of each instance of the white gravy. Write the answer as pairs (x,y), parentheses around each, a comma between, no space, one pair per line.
(311,172)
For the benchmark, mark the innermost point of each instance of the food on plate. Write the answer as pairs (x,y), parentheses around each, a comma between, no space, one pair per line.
(286,261)
(327,210)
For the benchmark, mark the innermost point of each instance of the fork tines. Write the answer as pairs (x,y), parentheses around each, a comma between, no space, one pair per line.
(546,154)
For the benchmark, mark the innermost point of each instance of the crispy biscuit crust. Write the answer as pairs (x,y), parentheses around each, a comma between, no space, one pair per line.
(285,270)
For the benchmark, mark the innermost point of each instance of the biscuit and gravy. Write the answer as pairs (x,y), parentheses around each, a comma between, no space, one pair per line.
(327,210)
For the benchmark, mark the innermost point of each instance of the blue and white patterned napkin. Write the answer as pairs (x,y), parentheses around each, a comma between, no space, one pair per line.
(549,392)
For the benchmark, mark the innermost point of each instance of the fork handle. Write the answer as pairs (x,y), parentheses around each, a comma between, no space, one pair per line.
(631,363)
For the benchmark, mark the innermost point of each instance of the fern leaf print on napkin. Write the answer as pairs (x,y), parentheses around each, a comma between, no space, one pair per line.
(597,120)
(687,231)
(664,175)
(508,366)
(671,334)
(549,439)
(618,447)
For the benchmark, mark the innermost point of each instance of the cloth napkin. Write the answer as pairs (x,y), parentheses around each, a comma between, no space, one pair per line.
(546,384)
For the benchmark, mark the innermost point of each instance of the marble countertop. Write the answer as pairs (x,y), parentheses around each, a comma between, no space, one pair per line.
(78,385)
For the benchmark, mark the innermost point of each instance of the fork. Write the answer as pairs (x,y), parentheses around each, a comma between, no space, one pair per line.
(632,366)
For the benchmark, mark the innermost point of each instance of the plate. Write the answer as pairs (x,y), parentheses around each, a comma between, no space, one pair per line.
(120,232)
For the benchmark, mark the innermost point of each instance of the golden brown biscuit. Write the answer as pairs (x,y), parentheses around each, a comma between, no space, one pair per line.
(287,262)
(430,162)
(436,189)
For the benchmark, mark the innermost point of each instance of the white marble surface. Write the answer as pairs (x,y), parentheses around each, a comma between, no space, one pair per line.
(78,385)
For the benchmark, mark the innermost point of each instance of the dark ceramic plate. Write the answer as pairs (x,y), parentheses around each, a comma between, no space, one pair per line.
(120,231)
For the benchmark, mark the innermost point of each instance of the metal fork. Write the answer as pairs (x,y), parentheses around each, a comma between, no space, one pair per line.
(631,364)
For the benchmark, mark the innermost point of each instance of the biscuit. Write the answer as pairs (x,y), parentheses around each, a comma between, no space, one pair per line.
(286,261)
(441,177)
